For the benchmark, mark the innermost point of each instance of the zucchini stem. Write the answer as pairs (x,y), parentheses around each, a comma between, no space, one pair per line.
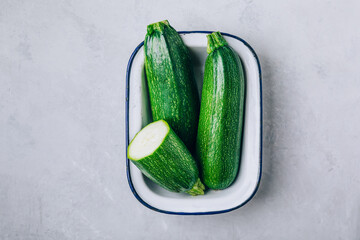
(159,26)
(215,40)
(197,189)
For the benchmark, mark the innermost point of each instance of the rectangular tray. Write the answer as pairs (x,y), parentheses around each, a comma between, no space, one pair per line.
(138,115)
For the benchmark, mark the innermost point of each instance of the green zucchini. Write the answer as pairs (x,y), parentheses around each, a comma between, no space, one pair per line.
(161,155)
(221,114)
(171,82)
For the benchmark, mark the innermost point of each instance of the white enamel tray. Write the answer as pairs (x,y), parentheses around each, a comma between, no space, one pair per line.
(138,115)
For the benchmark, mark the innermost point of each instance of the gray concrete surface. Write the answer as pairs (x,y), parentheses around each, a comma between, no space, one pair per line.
(62,144)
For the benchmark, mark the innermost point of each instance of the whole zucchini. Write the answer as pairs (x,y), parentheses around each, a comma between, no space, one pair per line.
(221,114)
(160,154)
(171,82)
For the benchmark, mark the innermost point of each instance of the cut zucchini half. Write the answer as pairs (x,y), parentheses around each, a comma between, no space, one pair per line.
(161,156)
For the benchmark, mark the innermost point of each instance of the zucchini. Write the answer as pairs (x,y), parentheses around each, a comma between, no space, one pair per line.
(221,114)
(171,82)
(160,155)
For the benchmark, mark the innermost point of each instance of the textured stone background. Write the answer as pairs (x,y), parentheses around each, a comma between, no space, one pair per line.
(62,144)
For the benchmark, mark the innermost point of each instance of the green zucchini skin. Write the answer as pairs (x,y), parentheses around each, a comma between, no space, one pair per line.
(221,115)
(172,166)
(171,82)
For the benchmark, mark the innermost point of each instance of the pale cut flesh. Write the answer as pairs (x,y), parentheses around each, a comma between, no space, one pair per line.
(148,140)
